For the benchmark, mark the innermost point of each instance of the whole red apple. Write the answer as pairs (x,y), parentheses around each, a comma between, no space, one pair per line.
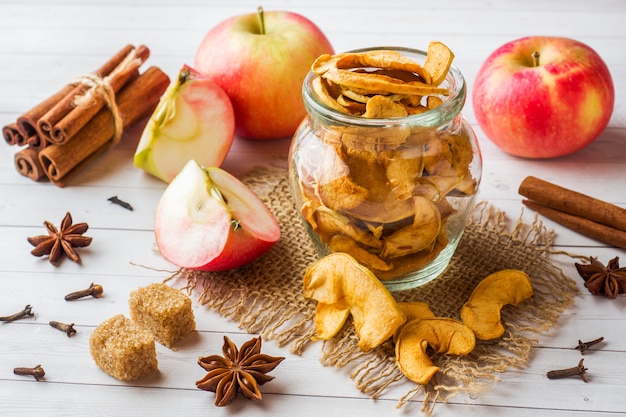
(543,97)
(260,60)
(208,220)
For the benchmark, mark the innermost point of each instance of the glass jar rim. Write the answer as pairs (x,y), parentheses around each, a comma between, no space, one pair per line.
(437,116)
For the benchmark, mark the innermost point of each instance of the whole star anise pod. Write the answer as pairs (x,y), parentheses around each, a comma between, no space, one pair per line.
(609,280)
(61,241)
(238,370)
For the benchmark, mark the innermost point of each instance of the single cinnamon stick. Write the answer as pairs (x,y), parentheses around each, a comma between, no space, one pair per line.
(79,115)
(574,203)
(581,225)
(27,163)
(63,105)
(12,135)
(27,122)
(135,101)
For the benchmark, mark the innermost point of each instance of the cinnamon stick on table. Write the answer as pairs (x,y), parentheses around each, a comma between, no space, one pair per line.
(27,163)
(12,135)
(606,234)
(584,214)
(27,122)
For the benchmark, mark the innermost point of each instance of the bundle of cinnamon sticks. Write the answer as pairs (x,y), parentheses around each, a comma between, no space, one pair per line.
(62,134)
(586,215)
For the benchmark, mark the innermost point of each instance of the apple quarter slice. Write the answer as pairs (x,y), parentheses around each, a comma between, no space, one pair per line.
(193,120)
(208,220)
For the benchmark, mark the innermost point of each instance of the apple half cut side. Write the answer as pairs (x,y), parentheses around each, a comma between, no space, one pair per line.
(208,220)
(193,120)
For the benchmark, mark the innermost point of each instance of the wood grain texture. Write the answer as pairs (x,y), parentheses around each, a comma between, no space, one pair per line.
(45,43)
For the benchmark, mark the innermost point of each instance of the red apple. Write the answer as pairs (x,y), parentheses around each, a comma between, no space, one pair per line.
(193,120)
(260,60)
(208,220)
(543,97)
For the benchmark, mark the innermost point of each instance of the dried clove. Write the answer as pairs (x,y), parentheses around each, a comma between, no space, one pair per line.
(26,312)
(583,346)
(67,328)
(94,290)
(37,372)
(564,373)
(120,203)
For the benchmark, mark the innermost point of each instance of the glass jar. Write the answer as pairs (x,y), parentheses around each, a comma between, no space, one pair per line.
(394,193)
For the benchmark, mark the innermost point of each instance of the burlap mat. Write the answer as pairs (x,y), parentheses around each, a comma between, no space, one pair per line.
(265,297)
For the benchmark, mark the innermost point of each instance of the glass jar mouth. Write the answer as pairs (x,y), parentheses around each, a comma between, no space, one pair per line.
(442,114)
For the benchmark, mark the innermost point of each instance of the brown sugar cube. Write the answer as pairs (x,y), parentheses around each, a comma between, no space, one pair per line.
(122,349)
(164,311)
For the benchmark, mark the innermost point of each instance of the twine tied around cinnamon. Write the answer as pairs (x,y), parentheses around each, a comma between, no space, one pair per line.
(101,86)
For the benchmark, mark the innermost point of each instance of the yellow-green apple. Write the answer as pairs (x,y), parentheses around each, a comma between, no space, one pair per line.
(208,220)
(193,120)
(260,60)
(543,97)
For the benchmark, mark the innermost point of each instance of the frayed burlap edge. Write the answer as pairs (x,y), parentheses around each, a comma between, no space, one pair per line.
(265,298)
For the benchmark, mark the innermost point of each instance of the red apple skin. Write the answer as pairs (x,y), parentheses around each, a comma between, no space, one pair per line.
(545,111)
(208,220)
(263,74)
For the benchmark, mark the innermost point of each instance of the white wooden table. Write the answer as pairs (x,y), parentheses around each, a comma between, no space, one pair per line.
(45,43)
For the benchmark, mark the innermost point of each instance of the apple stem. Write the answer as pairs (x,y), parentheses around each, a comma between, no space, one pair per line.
(261,20)
(536,58)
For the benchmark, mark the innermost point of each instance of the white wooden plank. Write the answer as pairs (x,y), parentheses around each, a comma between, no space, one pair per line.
(48,42)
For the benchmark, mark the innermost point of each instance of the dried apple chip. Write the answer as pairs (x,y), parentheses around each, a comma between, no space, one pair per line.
(481,312)
(418,236)
(352,106)
(342,243)
(331,222)
(444,184)
(441,334)
(413,310)
(342,193)
(384,59)
(321,89)
(361,98)
(416,109)
(325,62)
(415,261)
(433,101)
(381,107)
(340,280)
(438,61)
(381,84)
(403,169)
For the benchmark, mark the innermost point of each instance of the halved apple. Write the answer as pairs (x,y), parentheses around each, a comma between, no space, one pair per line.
(208,220)
(193,120)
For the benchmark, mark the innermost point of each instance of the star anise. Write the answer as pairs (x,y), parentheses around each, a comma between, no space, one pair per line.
(238,370)
(61,241)
(609,280)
